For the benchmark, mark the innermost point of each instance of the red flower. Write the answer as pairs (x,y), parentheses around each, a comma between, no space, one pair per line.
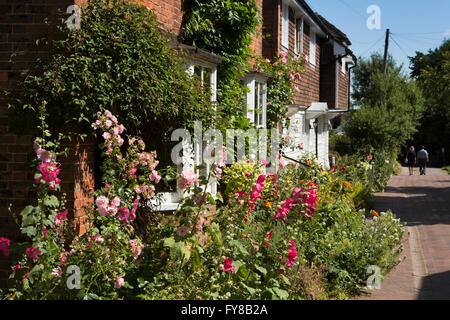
(228,265)
(292,255)
(33,253)
(4,246)
(269,236)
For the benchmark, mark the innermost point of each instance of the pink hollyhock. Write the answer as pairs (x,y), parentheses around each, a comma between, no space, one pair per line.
(4,246)
(283,54)
(49,172)
(228,265)
(269,236)
(33,253)
(218,172)
(182,231)
(60,217)
(264,162)
(199,224)
(123,213)
(187,180)
(275,63)
(16,267)
(292,254)
(283,60)
(119,282)
(248,175)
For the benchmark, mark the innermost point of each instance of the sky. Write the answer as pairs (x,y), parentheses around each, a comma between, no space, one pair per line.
(415,25)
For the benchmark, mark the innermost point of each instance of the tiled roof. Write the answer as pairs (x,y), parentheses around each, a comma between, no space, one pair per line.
(334,32)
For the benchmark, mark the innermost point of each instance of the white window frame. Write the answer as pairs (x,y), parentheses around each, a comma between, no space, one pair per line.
(298,48)
(343,65)
(251,95)
(312,46)
(213,76)
(285,25)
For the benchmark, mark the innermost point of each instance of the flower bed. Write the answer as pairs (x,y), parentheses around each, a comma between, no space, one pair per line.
(297,234)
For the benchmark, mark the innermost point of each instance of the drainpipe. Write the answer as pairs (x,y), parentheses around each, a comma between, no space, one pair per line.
(316,131)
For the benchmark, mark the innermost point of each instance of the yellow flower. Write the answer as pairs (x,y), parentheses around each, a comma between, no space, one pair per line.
(373,212)
(302,181)
(268,204)
(347,184)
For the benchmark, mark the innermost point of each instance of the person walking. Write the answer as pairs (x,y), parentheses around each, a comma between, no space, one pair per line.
(411,159)
(422,159)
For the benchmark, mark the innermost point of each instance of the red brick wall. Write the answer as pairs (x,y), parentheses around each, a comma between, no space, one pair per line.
(328,76)
(22,22)
(271,28)
(168,13)
(257,45)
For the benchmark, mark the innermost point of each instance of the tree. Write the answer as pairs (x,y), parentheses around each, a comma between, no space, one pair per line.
(432,72)
(391,106)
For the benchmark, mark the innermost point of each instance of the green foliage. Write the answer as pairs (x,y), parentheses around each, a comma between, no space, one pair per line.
(391,106)
(120,61)
(225,28)
(432,72)
(235,178)
(281,86)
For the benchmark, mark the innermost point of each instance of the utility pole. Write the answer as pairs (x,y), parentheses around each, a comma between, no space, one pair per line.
(386,46)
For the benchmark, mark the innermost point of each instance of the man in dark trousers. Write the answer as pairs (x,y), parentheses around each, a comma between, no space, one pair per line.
(422,158)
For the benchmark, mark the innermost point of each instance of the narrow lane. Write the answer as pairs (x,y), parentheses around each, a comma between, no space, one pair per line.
(423,202)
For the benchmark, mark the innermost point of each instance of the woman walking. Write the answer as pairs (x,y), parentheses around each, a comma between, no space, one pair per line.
(411,159)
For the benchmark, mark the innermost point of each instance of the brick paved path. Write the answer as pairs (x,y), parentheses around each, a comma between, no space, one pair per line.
(423,202)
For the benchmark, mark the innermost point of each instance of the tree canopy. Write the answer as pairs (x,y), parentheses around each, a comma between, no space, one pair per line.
(391,106)
(432,72)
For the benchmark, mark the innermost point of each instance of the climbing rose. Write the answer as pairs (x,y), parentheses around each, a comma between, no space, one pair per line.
(187,179)
(228,265)
(155,177)
(4,246)
(119,282)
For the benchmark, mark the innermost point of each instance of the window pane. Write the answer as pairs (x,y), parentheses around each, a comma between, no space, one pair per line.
(198,72)
(207,79)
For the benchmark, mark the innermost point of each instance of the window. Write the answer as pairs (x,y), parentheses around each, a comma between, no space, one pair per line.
(312,47)
(344,64)
(259,104)
(256,101)
(285,26)
(207,75)
(204,75)
(299,35)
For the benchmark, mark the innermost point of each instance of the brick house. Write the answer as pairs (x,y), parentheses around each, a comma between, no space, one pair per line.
(294,28)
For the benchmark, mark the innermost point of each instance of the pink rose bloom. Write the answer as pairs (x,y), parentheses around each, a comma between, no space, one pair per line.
(275,63)
(109,151)
(131,141)
(284,60)
(108,113)
(16,267)
(106,135)
(121,128)
(218,172)
(4,246)
(119,282)
(279,74)
(113,119)
(155,177)
(102,201)
(228,265)
(33,253)
(264,162)
(287,139)
(137,189)
(283,54)
(115,202)
(248,175)
(120,141)
(187,180)
(282,164)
